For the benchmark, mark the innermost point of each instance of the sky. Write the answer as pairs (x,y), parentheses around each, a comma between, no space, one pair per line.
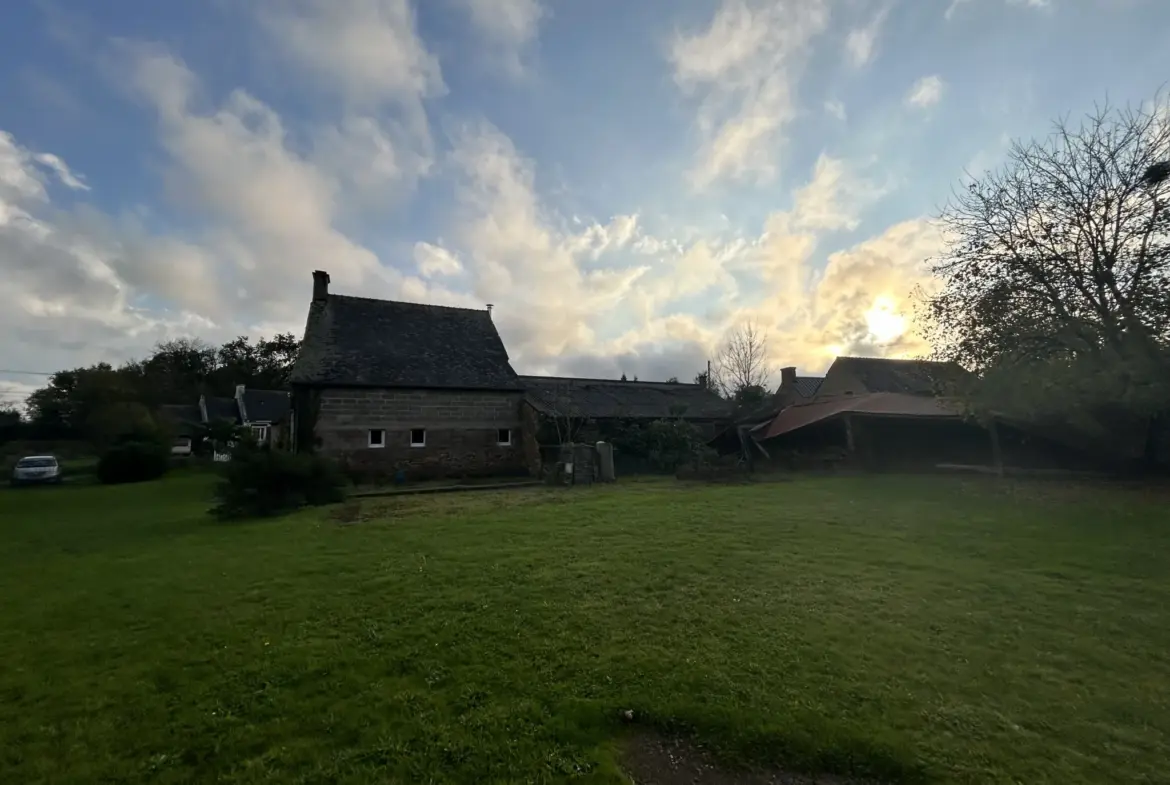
(626,182)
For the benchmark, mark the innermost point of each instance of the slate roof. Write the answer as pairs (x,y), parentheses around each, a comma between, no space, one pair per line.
(221,409)
(877,404)
(266,405)
(913,377)
(381,343)
(807,386)
(610,398)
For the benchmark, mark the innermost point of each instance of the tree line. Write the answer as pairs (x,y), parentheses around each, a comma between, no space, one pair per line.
(77,402)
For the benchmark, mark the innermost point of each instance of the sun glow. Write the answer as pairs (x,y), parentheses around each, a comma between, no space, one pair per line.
(883,321)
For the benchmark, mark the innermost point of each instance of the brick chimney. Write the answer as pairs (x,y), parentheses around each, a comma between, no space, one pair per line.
(320,285)
(788,376)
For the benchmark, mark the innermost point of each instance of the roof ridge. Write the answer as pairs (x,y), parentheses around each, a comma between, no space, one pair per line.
(407,302)
(608,381)
(893,359)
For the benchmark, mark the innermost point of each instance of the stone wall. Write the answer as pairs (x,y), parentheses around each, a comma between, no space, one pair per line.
(462,432)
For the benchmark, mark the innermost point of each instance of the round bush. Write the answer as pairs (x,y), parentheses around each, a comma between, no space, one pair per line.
(133,461)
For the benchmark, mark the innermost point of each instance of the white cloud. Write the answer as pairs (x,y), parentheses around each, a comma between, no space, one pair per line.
(597,239)
(368,49)
(434,260)
(62,171)
(508,26)
(836,109)
(69,295)
(927,91)
(861,41)
(516,257)
(375,161)
(744,70)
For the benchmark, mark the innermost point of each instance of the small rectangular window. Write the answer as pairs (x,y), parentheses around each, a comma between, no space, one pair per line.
(418,437)
(377,437)
(504,437)
(260,433)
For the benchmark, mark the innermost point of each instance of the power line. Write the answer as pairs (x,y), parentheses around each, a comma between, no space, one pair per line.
(27,373)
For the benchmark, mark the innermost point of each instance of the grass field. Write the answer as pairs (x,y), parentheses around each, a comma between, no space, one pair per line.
(937,630)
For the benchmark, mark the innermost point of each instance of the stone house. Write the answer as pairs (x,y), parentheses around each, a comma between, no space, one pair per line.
(390,387)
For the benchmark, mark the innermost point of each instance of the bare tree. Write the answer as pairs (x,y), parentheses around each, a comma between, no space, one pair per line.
(741,367)
(1056,282)
(565,413)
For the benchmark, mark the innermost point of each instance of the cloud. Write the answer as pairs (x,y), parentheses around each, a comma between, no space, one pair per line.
(518,259)
(860,42)
(927,91)
(956,5)
(743,69)
(508,26)
(368,49)
(375,161)
(434,260)
(68,296)
(836,109)
(270,212)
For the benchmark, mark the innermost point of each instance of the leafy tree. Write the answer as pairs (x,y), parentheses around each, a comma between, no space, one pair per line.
(118,421)
(71,397)
(1056,281)
(670,444)
(752,395)
(743,362)
(175,371)
(672,380)
(10,417)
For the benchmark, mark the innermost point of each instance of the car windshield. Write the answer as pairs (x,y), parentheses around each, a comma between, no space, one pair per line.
(36,463)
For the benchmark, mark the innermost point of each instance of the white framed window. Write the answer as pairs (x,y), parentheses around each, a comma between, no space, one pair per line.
(376,438)
(504,437)
(418,437)
(260,433)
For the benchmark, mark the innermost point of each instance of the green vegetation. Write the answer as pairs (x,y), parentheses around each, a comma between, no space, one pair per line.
(937,629)
(260,483)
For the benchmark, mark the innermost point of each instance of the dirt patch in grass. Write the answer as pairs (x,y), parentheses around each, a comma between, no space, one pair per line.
(651,759)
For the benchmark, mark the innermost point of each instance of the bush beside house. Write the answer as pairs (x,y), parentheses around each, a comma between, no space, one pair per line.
(134,460)
(259,482)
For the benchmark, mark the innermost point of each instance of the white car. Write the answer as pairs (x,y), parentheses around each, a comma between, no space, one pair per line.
(36,469)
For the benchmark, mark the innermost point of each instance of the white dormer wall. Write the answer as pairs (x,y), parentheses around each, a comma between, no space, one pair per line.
(243,410)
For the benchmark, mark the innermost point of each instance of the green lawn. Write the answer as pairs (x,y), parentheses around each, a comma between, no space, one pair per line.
(920,629)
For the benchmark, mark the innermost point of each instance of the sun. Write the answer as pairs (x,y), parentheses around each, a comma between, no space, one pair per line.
(883,321)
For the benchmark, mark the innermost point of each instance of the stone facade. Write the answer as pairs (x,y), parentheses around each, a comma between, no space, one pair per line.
(461,431)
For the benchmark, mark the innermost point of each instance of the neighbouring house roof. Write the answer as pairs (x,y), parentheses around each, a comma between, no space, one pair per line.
(182,418)
(221,408)
(382,343)
(915,377)
(266,405)
(874,404)
(807,386)
(613,399)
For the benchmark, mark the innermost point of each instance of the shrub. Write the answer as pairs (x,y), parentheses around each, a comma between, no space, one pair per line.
(261,482)
(133,461)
